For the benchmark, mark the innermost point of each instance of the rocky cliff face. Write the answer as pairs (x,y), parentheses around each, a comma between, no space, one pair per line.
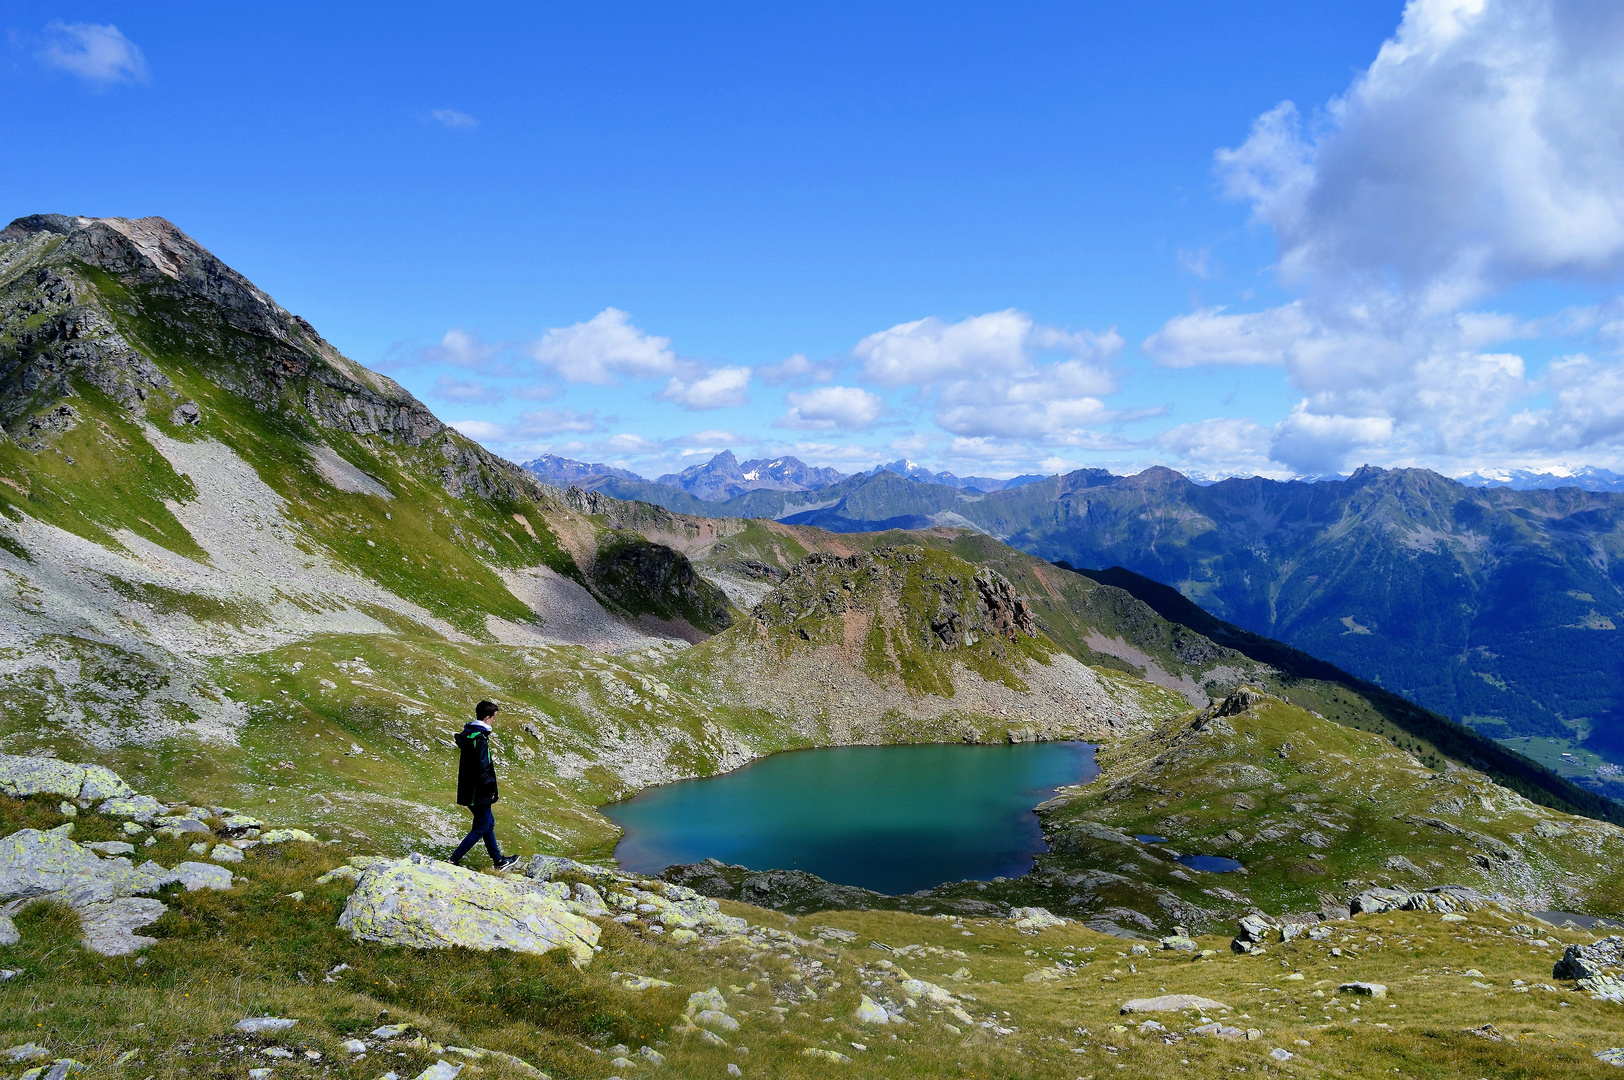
(106,301)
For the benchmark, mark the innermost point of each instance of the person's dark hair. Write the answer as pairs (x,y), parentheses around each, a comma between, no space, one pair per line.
(485,710)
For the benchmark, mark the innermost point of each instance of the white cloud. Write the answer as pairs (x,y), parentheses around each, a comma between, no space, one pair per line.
(538,424)
(848,408)
(462,348)
(1481,147)
(452,118)
(602,349)
(928,350)
(1000,375)
(1209,336)
(796,368)
(1221,447)
(93,52)
(1312,443)
(465,391)
(721,388)
(1479,151)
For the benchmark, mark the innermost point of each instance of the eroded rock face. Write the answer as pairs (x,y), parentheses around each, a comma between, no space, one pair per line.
(425,904)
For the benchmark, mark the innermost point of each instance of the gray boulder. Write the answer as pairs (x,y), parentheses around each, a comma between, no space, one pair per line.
(8,931)
(1589,961)
(139,807)
(109,927)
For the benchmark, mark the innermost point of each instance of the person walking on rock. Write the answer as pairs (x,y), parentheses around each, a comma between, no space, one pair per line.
(476,785)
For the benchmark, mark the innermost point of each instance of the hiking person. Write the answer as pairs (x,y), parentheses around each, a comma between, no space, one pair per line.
(476,785)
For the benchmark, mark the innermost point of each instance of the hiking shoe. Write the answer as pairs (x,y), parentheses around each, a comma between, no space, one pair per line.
(506,861)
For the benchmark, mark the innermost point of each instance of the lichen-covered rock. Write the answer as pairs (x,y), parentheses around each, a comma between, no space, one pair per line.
(421,903)
(550,867)
(24,776)
(36,864)
(109,927)
(176,827)
(138,807)
(8,931)
(679,907)
(282,836)
(927,991)
(870,1012)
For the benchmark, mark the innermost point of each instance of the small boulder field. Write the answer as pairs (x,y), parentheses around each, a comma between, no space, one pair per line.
(145,939)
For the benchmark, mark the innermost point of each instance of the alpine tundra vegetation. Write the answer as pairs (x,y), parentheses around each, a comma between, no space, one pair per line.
(250,587)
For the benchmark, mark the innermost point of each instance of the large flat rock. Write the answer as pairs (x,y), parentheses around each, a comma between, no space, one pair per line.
(424,904)
(1172,1003)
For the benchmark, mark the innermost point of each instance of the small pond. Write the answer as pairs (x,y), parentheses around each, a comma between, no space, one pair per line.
(1149,838)
(894,819)
(1210,864)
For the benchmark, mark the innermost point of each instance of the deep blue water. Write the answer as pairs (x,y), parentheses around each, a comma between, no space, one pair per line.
(1149,838)
(1211,864)
(890,818)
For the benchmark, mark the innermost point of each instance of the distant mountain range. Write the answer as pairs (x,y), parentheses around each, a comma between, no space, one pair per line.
(1590,478)
(724,477)
(1499,606)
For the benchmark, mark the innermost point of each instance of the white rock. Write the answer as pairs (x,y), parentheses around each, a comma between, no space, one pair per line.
(263,1025)
(918,988)
(1172,1003)
(225,853)
(440,1070)
(354,1046)
(871,1012)
(1035,918)
(711,999)
(26,1052)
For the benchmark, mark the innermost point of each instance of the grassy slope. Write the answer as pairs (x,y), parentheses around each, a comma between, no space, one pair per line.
(254,950)
(1395,718)
(1312,809)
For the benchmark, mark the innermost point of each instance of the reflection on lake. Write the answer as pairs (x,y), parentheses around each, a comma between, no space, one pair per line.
(890,818)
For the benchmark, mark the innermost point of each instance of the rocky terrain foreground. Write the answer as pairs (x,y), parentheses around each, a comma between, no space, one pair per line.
(145,939)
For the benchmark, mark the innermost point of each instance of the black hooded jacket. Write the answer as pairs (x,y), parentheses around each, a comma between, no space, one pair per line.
(476,774)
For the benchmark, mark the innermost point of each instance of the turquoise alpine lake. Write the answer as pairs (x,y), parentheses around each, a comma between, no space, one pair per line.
(894,819)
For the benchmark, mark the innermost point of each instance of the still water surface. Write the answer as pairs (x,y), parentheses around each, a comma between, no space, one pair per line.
(890,818)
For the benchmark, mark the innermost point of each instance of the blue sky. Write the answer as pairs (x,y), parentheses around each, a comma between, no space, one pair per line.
(991,238)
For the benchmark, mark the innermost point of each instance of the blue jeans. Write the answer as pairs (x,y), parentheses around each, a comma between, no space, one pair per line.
(484,828)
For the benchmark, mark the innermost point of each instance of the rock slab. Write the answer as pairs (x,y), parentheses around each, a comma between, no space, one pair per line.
(1172,1003)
